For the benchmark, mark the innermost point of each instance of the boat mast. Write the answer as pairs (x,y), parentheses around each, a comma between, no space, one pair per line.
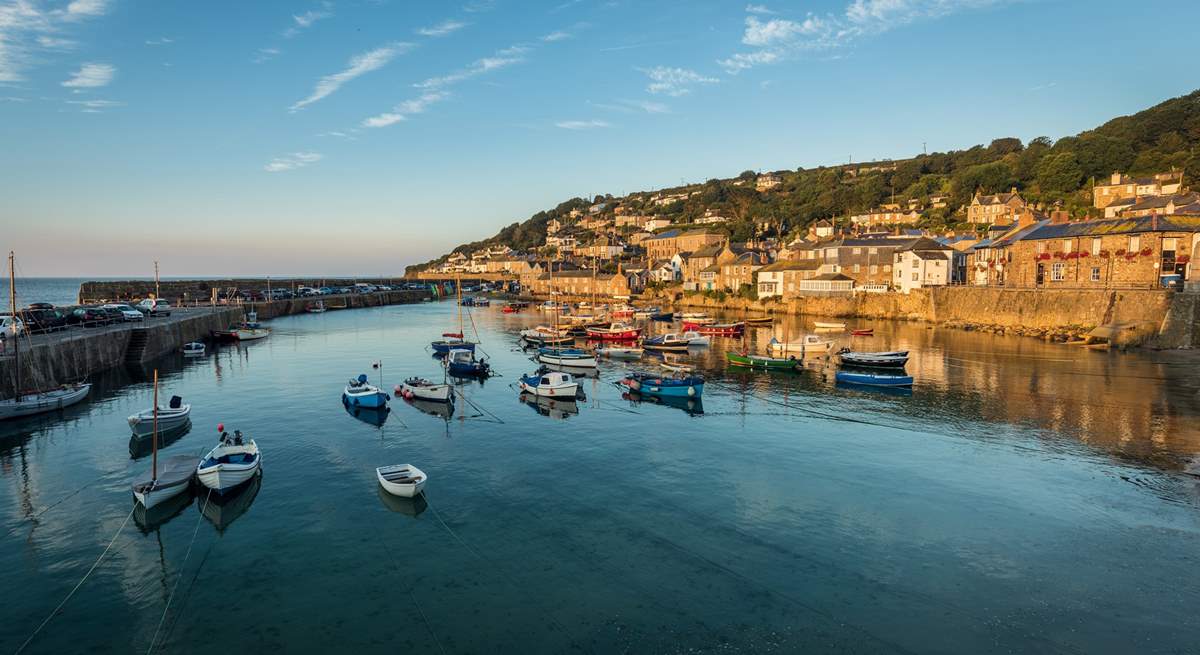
(154,439)
(12,301)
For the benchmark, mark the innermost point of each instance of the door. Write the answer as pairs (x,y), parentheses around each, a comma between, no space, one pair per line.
(1041,274)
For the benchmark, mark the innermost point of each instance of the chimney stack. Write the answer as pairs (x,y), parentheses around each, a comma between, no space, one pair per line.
(1059,216)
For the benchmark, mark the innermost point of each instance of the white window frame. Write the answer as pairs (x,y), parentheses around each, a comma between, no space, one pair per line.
(1058,272)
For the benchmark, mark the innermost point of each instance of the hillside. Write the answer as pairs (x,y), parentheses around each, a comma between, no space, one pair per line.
(1163,137)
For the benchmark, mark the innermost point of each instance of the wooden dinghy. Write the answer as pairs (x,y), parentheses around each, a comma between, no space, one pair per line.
(403,480)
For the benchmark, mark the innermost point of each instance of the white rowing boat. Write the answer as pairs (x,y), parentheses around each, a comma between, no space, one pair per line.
(404,480)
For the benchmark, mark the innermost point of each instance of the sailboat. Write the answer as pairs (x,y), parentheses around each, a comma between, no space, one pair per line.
(454,340)
(37,402)
(559,356)
(175,477)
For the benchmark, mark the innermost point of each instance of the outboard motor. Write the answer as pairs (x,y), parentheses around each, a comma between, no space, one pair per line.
(176,402)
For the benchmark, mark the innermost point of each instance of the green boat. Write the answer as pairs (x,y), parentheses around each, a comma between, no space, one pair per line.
(762,361)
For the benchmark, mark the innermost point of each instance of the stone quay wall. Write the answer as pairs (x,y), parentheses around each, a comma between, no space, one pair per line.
(189,292)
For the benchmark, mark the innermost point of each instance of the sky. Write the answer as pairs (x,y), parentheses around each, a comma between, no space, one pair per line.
(355,137)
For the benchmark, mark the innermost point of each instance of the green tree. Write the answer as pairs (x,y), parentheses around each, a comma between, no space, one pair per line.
(1059,173)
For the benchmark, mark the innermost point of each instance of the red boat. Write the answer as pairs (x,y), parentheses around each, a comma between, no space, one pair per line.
(615,332)
(716,329)
(868,332)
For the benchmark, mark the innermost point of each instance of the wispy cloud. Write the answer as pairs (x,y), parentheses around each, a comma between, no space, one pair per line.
(402,111)
(26,28)
(635,106)
(443,28)
(55,43)
(674,81)
(1042,87)
(358,65)
(91,76)
(581,125)
(301,22)
(95,106)
(558,35)
(265,54)
(779,39)
(81,9)
(292,161)
(502,59)
(162,40)
(479,6)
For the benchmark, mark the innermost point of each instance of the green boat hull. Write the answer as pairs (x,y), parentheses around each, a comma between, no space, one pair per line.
(761,362)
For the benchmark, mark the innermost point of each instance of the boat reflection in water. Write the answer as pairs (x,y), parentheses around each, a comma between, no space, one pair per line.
(376,416)
(440,410)
(223,510)
(875,389)
(150,520)
(140,447)
(691,406)
(407,506)
(552,407)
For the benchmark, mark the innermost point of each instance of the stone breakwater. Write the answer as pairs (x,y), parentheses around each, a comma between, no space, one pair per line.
(1154,318)
(189,292)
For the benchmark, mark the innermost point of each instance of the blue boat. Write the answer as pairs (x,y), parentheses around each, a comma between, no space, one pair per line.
(650,384)
(461,362)
(359,393)
(444,346)
(872,379)
(664,317)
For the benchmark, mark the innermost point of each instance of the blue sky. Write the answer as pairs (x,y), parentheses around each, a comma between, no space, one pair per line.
(355,137)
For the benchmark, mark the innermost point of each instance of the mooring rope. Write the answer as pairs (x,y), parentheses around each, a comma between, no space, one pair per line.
(482,411)
(409,589)
(80,583)
(56,503)
(175,587)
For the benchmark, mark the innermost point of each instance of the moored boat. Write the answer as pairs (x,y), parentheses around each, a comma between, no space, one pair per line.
(232,462)
(764,362)
(696,318)
(663,317)
(316,307)
(716,329)
(171,479)
(890,359)
(168,418)
(193,349)
(811,343)
(872,379)
(651,384)
(694,338)
(550,384)
(621,352)
(829,325)
(462,363)
(646,312)
(422,389)
(38,402)
(403,480)
(615,332)
(760,320)
(670,342)
(451,341)
(360,393)
(865,332)
(575,357)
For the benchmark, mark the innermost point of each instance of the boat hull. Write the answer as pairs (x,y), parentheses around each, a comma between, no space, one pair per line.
(874,379)
(667,387)
(252,334)
(223,476)
(567,360)
(175,478)
(142,423)
(370,398)
(761,362)
(437,393)
(614,335)
(403,480)
(444,347)
(31,404)
(555,391)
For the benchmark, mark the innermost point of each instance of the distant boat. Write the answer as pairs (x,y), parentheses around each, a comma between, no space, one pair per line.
(865,332)
(422,389)
(403,480)
(550,384)
(694,338)
(360,393)
(872,379)
(648,312)
(231,463)
(760,320)
(615,332)
(663,317)
(891,359)
(575,357)
(691,386)
(193,349)
(545,335)
(811,343)
(829,325)
(621,352)
(251,329)
(764,362)
(697,318)
(462,363)
(670,342)
(454,340)
(316,308)
(147,421)
(716,329)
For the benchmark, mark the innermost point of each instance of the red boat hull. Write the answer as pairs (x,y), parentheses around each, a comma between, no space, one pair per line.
(863,333)
(623,335)
(729,330)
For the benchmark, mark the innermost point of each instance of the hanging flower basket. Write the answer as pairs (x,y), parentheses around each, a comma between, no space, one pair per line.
(1183,259)
(1105,254)
(1121,252)
(1058,255)
(1044,256)
(1147,251)
(1084,254)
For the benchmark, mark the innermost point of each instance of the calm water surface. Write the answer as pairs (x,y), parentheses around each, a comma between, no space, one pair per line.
(1024,497)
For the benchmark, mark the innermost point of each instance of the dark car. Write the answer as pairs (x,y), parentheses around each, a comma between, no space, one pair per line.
(44,320)
(41,305)
(89,317)
(114,315)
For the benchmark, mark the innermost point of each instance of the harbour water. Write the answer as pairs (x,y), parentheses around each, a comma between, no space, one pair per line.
(1024,497)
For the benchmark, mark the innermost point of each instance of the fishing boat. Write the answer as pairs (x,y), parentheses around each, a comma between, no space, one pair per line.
(548,306)
(33,402)
(670,342)
(646,312)
(872,379)
(716,329)
(890,359)
(652,384)
(360,393)
(697,318)
(621,352)
(865,332)
(316,307)
(250,329)
(232,462)
(454,340)
(193,349)
(416,388)
(176,474)
(543,335)
(694,338)
(403,480)
(763,362)
(462,363)
(550,384)
(829,325)
(760,320)
(811,343)
(514,307)
(615,332)
(622,311)
(575,357)
(158,419)
(663,317)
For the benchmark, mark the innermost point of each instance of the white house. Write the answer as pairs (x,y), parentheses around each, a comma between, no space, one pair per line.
(923,263)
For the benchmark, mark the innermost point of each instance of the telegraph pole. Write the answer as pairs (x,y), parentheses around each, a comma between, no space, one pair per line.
(156,294)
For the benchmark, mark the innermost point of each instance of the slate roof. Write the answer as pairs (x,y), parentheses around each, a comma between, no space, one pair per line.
(1139,224)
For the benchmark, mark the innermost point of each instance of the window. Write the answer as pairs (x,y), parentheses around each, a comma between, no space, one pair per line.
(1095,274)
(1058,272)
(857,268)
(872,251)
(857,251)
(1041,247)
(915,262)
(887,268)
(915,275)
(831,253)
(1066,245)
(874,269)
(1135,243)
(1096,246)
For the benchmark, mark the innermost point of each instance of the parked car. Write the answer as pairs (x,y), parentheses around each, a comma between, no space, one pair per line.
(324,291)
(151,307)
(89,317)
(127,313)
(114,315)
(41,305)
(11,326)
(43,320)
(250,294)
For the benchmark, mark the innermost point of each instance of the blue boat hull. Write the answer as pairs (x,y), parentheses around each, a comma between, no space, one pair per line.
(874,380)
(465,370)
(369,401)
(444,347)
(668,388)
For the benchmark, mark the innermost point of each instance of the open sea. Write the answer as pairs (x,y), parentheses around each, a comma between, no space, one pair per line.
(1024,497)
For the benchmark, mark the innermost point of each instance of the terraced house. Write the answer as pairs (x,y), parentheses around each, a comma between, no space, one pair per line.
(866,260)
(995,209)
